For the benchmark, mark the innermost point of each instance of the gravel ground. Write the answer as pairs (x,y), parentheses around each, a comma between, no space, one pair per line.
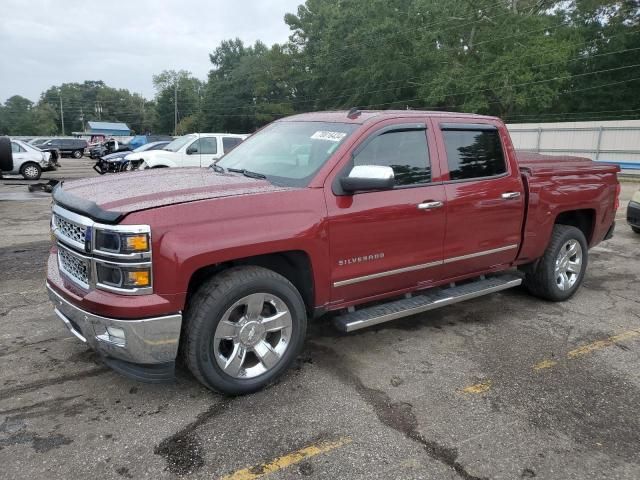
(503,387)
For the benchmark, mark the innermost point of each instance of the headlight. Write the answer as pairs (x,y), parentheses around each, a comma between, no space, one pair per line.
(122,243)
(123,276)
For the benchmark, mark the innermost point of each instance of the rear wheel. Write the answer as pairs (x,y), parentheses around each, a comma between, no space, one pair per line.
(31,171)
(244,328)
(636,229)
(561,269)
(77,154)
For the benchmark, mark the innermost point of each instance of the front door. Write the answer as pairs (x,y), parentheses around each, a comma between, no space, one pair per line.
(485,199)
(388,241)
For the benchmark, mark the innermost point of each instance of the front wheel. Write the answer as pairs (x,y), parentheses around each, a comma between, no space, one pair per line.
(561,269)
(635,229)
(31,171)
(244,328)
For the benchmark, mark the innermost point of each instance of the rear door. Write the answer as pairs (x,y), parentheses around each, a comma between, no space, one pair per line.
(484,197)
(388,241)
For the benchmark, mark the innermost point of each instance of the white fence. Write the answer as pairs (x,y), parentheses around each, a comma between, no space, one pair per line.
(607,141)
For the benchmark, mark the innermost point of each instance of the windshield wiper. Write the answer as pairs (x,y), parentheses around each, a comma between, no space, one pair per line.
(217,168)
(247,173)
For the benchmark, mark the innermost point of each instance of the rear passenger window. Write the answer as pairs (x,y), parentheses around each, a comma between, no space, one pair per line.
(404,151)
(229,143)
(473,153)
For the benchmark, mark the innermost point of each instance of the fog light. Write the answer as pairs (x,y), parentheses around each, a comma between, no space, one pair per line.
(138,278)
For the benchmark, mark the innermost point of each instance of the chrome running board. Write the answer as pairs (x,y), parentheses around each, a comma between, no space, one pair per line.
(429,300)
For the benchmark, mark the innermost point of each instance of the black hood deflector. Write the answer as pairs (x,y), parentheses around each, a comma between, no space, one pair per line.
(84,207)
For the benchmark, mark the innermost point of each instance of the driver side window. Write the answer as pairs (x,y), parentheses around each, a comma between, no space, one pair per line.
(406,152)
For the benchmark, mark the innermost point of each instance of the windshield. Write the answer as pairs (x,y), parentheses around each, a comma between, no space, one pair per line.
(288,153)
(178,143)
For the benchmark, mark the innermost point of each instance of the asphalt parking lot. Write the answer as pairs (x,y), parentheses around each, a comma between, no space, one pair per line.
(501,387)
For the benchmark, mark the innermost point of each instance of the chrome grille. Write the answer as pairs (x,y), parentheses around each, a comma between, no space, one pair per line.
(68,229)
(74,266)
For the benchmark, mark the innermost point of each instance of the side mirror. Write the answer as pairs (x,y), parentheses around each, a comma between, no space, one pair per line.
(368,177)
(6,155)
(191,150)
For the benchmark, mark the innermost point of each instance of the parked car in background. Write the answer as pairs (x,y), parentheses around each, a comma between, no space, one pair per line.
(139,140)
(193,150)
(108,147)
(633,212)
(126,160)
(67,146)
(28,160)
(36,142)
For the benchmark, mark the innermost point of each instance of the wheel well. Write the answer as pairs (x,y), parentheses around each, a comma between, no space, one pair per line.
(294,265)
(26,164)
(581,219)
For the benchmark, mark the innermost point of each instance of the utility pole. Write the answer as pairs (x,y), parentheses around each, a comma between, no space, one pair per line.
(175,108)
(61,114)
(82,118)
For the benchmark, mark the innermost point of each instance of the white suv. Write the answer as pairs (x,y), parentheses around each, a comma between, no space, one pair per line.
(193,150)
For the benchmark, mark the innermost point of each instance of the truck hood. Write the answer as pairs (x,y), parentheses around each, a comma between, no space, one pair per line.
(109,199)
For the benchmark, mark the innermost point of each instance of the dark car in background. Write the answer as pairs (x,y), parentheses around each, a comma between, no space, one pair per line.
(633,212)
(116,162)
(73,147)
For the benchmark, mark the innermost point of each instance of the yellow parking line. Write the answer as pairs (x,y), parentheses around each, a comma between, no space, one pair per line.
(478,387)
(285,461)
(600,344)
(575,353)
(544,364)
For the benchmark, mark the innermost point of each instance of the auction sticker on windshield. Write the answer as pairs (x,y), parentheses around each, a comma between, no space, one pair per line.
(331,136)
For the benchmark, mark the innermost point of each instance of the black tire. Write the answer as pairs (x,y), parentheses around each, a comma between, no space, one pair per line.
(636,229)
(540,281)
(31,171)
(77,153)
(160,166)
(206,309)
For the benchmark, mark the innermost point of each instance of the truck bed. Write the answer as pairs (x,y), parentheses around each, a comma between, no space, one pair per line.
(554,184)
(542,165)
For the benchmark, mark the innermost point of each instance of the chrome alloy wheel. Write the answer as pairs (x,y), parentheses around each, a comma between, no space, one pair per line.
(31,171)
(252,335)
(568,265)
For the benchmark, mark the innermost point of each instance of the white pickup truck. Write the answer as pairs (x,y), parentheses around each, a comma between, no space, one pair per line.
(193,150)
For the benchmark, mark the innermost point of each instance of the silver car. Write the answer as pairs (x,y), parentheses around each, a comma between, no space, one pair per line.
(28,161)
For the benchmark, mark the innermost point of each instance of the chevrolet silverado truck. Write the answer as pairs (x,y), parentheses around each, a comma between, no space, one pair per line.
(360,216)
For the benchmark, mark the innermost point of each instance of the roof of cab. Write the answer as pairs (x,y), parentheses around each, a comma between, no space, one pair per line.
(363,116)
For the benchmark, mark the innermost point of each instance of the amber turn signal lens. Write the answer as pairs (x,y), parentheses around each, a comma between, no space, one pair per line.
(137,243)
(138,278)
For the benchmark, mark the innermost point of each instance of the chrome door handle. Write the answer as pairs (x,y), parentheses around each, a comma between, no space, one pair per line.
(509,195)
(430,205)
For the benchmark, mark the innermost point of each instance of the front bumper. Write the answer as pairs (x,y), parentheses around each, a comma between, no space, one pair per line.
(633,214)
(147,341)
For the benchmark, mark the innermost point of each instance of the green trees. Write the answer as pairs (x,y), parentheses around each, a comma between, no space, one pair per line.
(19,116)
(524,60)
(184,90)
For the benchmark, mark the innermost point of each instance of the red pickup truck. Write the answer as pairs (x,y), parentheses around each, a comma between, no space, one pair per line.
(371,215)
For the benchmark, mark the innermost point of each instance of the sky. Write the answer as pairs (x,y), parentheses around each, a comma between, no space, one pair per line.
(123,43)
